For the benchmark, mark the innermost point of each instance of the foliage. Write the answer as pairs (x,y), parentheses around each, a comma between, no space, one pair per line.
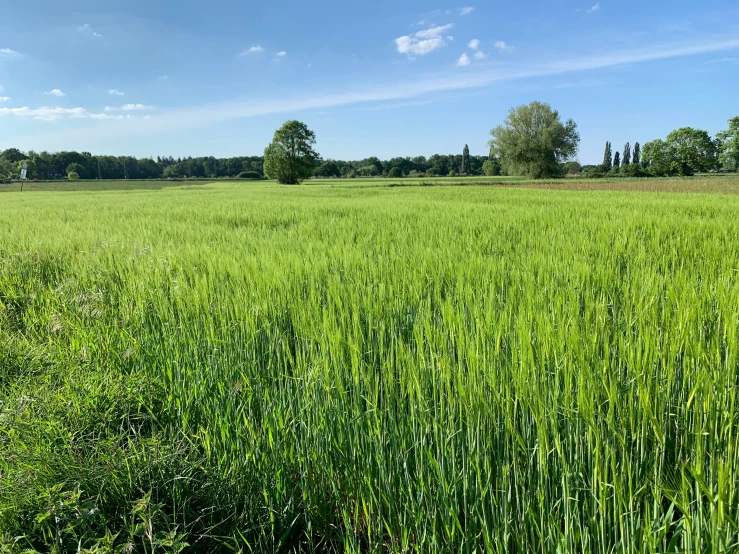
(337,369)
(72,176)
(328,168)
(626,159)
(534,142)
(395,172)
(290,157)
(249,175)
(79,169)
(465,168)
(617,160)
(684,152)
(636,158)
(7,169)
(608,157)
(729,145)
(452,173)
(491,168)
(572,168)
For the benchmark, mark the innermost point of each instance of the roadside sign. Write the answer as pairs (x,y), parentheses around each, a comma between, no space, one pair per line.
(25,165)
(24,172)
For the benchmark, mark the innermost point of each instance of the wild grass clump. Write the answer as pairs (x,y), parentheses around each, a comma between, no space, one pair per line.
(369,370)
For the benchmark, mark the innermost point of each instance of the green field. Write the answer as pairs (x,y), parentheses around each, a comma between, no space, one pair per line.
(344,368)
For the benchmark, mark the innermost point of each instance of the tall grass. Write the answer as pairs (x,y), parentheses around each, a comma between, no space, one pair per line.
(309,369)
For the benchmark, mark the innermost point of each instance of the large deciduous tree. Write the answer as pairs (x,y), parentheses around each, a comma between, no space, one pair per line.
(534,141)
(290,158)
(693,150)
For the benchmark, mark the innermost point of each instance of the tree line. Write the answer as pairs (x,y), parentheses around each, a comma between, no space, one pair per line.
(533,141)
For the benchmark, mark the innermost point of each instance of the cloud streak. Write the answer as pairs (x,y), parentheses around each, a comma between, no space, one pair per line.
(253,50)
(184,118)
(56,92)
(116,92)
(594,8)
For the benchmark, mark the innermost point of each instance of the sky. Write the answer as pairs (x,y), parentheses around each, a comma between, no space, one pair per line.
(382,78)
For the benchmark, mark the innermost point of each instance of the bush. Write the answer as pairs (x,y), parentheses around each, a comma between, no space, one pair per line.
(249,175)
(73,176)
(452,173)
(430,173)
(395,173)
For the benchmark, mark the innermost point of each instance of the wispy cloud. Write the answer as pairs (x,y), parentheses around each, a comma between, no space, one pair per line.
(5,98)
(280,55)
(466,10)
(86,28)
(413,88)
(253,50)
(45,113)
(163,77)
(479,55)
(726,61)
(129,108)
(116,92)
(7,54)
(594,9)
(463,60)
(423,42)
(474,44)
(503,47)
(55,92)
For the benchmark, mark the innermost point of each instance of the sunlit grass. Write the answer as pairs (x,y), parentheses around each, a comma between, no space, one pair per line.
(421,369)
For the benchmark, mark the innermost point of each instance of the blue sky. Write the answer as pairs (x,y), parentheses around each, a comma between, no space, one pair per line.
(380,78)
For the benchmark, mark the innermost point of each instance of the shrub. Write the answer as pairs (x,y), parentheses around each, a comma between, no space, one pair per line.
(452,173)
(395,173)
(249,175)
(73,176)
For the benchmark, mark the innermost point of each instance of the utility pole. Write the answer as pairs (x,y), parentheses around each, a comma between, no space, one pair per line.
(99,169)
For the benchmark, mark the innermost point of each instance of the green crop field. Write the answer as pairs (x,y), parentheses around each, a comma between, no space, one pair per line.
(342,368)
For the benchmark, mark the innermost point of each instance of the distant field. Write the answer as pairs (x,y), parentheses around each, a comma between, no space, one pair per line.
(723,184)
(356,367)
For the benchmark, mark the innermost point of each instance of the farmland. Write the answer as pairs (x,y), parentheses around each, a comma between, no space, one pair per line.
(356,366)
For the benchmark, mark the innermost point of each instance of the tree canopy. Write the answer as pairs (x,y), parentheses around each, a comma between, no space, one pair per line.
(290,158)
(534,142)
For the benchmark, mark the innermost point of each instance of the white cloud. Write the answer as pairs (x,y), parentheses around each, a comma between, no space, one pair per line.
(4,98)
(281,54)
(163,77)
(84,27)
(8,54)
(87,29)
(503,47)
(479,55)
(129,108)
(474,44)
(466,10)
(97,35)
(594,8)
(463,61)
(423,42)
(56,92)
(116,92)
(253,50)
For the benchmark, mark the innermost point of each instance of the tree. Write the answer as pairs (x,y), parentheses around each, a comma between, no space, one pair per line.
(72,176)
(572,168)
(13,155)
(395,173)
(692,149)
(533,141)
(491,168)
(729,145)
(290,157)
(658,158)
(636,158)
(465,169)
(328,169)
(607,157)
(617,160)
(79,169)
(626,160)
